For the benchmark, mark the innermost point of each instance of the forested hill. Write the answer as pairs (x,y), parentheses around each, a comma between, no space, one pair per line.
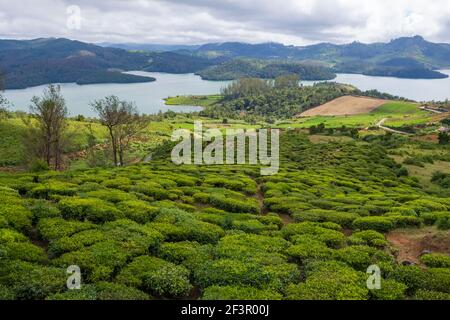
(412,57)
(40,61)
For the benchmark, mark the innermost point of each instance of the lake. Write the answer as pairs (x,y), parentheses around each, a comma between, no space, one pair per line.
(149,96)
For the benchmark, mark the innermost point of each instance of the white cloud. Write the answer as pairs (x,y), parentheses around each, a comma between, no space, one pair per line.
(200,21)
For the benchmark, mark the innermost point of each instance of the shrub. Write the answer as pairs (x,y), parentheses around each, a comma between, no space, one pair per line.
(86,293)
(31,282)
(95,210)
(441,219)
(76,241)
(239,293)
(250,226)
(359,257)
(368,237)
(233,205)
(96,262)
(390,290)
(225,272)
(111,195)
(53,187)
(116,291)
(156,276)
(412,276)
(55,228)
(307,248)
(15,216)
(25,251)
(329,281)
(316,231)
(344,219)
(382,224)
(406,221)
(436,260)
(6,293)
(178,252)
(137,210)
(431,295)
(153,190)
(43,209)
(438,279)
(122,183)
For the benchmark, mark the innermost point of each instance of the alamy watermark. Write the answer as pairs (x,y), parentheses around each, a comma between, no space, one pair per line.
(74,280)
(374,280)
(235,142)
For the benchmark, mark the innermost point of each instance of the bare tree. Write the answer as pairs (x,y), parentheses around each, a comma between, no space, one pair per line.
(126,132)
(123,122)
(46,132)
(3,101)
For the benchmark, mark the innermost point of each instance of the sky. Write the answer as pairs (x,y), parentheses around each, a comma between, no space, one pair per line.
(296,22)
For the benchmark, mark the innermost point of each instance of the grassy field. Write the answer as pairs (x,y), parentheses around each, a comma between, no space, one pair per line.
(200,101)
(397,113)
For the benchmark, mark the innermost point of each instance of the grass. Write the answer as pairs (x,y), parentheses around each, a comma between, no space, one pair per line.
(398,107)
(398,113)
(200,101)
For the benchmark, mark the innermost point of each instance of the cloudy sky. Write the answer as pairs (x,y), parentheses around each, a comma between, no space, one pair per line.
(199,21)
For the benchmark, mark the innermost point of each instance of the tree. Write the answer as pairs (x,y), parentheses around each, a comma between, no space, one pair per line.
(287,81)
(122,121)
(443,137)
(3,101)
(126,132)
(246,87)
(46,133)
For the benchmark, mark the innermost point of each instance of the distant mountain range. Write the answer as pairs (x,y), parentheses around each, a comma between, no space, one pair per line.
(28,63)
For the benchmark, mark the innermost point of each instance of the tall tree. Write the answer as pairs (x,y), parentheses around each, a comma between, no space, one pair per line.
(123,122)
(287,81)
(49,112)
(126,132)
(3,101)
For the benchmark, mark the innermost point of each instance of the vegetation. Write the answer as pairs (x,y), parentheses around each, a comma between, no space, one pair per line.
(158,230)
(266,69)
(45,137)
(123,122)
(161,230)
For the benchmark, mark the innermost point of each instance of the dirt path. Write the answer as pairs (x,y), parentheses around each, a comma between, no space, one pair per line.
(411,243)
(380,125)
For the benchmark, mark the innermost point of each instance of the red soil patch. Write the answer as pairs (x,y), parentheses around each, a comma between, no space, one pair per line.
(410,243)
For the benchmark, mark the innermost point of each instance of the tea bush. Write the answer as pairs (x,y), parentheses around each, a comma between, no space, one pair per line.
(157,276)
(92,209)
(382,224)
(436,260)
(330,281)
(239,293)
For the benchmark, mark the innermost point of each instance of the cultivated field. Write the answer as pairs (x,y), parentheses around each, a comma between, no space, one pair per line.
(346,105)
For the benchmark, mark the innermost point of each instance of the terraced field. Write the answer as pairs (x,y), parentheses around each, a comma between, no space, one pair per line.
(220,232)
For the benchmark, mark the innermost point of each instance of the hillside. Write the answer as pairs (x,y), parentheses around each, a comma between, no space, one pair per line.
(239,68)
(413,57)
(35,62)
(41,61)
(223,232)
(347,105)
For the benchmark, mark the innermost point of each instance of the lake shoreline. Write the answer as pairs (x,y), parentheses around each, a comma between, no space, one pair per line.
(150,96)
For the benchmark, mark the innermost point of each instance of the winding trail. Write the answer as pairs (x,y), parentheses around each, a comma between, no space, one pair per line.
(380,125)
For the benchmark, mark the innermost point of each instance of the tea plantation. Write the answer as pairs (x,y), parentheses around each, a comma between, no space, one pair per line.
(161,231)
